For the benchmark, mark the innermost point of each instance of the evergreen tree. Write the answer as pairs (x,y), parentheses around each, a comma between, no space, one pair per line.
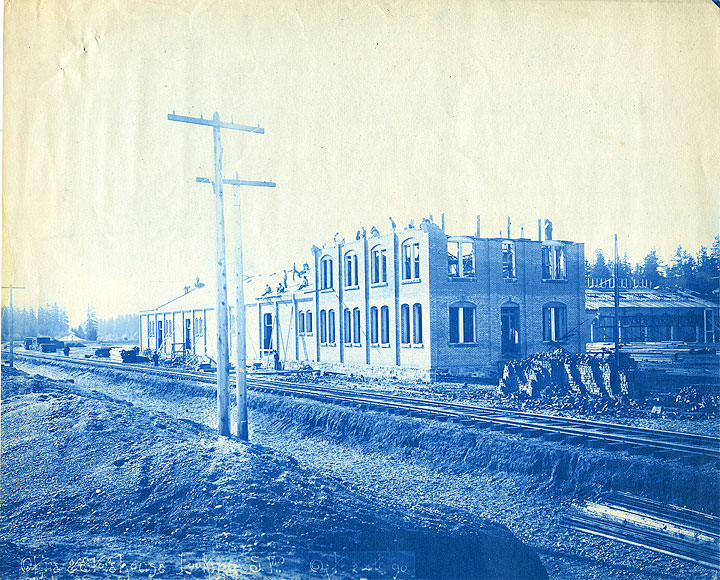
(91,324)
(599,268)
(651,269)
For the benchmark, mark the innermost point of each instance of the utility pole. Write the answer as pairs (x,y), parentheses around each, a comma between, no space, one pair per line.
(12,322)
(221,311)
(616,275)
(240,331)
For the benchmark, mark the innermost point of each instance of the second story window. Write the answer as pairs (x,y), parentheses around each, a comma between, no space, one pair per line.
(411,260)
(308,322)
(326,273)
(378,265)
(553,262)
(508,260)
(351,270)
(461,259)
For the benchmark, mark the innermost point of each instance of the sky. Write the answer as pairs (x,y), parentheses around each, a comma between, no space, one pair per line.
(599,115)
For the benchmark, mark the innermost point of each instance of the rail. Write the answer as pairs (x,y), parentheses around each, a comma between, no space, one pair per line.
(667,529)
(660,443)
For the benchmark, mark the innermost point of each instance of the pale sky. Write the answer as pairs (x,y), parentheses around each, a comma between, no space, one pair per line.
(600,115)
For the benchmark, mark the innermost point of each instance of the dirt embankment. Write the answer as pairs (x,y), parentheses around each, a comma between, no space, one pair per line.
(571,469)
(97,488)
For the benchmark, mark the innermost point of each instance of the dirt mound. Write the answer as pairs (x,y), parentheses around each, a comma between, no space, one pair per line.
(85,475)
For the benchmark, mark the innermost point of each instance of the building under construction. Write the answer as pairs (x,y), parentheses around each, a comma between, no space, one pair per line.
(412,302)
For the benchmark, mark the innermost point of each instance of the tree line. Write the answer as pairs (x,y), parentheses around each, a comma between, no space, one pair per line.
(49,320)
(52,320)
(699,273)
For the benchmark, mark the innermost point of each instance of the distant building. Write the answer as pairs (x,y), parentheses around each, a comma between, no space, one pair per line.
(413,302)
(651,315)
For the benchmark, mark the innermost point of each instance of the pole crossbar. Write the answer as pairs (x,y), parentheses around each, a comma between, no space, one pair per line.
(215,123)
(239,182)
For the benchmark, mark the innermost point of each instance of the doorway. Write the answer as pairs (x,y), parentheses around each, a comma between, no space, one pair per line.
(510,327)
(267,332)
(188,334)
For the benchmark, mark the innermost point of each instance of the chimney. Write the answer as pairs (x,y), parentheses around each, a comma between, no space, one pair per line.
(508,228)
(442,221)
(540,230)
(477,226)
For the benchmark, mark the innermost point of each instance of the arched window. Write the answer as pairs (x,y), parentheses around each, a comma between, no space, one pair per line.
(405,324)
(347,326)
(373,325)
(378,265)
(326,273)
(331,326)
(462,323)
(410,260)
(461,258)
(351,270)
(385,325)
(301,322)
(417,323)
(323,327)
(356,325)
(554,322)
(308,322)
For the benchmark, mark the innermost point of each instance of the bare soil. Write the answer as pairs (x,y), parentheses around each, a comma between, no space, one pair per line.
(441,486)
(109,484)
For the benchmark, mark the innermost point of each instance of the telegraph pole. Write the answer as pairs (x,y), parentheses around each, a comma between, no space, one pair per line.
(12,322)
(240,331)
(221,311)
(616,275)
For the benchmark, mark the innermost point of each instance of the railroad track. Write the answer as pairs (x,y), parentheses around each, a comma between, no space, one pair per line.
(663,444)
(672,530)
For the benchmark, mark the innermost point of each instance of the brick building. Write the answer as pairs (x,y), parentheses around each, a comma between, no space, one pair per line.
(412,302)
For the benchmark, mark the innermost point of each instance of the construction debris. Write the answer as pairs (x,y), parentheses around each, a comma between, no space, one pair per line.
(559,373)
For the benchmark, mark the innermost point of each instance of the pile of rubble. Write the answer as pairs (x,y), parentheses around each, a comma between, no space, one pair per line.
(691,399)
(560,374)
